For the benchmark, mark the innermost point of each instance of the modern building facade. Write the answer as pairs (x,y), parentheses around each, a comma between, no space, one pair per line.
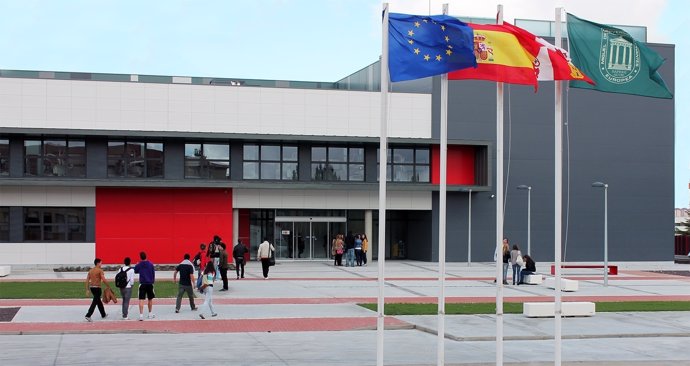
(109,165)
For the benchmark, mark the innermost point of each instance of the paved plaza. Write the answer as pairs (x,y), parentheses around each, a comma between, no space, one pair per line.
(307,314)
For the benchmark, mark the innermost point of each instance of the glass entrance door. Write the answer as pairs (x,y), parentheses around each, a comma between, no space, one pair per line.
(305,237)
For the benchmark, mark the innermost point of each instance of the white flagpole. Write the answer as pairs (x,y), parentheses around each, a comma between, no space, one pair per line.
(383,163)
(499,213)
(558,194)
(442,219)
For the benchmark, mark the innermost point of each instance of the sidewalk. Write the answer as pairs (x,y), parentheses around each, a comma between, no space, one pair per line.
(307,311)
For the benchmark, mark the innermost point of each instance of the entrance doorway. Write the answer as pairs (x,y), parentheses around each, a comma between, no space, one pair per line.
(299,237)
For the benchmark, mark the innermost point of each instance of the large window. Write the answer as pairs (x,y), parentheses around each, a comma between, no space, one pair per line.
(57,224)
(55,157)
(407,165)
(4,157)
(270,162)
(4,223)
(337,163)
(210,161)
(135,159)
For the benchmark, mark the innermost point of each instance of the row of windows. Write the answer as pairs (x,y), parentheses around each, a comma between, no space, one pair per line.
(139,159)
(56,224)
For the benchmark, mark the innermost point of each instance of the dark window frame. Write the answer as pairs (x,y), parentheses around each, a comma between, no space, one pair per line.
(205,163)
(4,157)
(62,221)
(64,164)
(391,166)
(127,165)
(260,162)
(328,162)
(4,224)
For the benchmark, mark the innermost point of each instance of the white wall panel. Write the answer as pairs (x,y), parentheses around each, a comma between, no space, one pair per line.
(78,104)
(328,199)
(46,196)
(47,253)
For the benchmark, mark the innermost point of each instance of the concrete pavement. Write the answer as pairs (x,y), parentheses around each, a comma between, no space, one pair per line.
(306,314)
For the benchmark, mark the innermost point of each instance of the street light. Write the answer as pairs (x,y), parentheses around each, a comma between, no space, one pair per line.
(529,213)
(606,229)
(469,225)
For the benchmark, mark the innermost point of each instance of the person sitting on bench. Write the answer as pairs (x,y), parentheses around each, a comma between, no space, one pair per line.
(530,268)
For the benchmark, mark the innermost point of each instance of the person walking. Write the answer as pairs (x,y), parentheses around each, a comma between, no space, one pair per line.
(238,253)
(349,250)
(94,278)
(200,263)
(186,271)
(365,248)
(208,276)
(223,265)
(147,277)
(515,262)
(213,252)
(126,292)
(264,255)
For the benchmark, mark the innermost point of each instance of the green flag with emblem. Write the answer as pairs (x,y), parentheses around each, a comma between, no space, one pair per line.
(614,60)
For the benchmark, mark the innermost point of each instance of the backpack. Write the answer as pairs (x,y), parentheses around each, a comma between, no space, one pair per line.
(197,259)
(121,278)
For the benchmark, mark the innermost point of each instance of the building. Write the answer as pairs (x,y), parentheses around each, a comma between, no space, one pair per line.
(108,165)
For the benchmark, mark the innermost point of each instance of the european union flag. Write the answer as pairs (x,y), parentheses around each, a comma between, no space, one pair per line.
(422,46)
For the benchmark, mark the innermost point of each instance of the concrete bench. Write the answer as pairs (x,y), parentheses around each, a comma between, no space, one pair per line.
(613,270)
(5,271)
(566,284)
(533,279)
(548,309)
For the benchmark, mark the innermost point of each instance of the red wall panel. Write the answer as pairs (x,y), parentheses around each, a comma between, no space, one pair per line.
(460,165)
(163,222)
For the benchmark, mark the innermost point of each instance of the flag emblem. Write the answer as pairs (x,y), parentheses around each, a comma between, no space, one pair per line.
(619,61)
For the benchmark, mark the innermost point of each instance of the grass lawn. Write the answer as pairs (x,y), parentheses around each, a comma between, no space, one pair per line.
(516,308)
(70,290)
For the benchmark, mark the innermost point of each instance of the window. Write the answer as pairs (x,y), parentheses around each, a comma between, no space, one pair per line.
(4,157)
(270,162)
(407,165)
(135,159)
(337,163)
(4,223)
(55,158)
(209,161)
(58,224)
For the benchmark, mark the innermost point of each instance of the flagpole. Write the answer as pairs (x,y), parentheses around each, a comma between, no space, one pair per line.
(383,163)
(499,212)
(442,219)
(558,195)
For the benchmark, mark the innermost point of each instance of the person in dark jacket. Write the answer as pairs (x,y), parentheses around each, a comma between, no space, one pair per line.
(238,252)
(530,268)
(223,265)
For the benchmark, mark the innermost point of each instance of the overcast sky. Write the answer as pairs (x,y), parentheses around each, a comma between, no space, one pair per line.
(308,40)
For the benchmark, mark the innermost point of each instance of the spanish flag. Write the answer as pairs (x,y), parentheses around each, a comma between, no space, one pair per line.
(550,62)
(500,57)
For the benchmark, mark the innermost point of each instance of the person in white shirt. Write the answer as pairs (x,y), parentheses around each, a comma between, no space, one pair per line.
(264,255)
(126,292)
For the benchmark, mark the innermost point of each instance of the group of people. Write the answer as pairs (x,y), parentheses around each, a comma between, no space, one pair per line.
(354,247)
(208,262)
(147,278)
(516,260)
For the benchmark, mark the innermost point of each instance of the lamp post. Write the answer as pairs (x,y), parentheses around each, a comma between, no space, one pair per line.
(529,213)
(606,229)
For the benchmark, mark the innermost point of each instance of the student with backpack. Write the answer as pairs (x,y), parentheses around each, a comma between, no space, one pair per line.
(124,280)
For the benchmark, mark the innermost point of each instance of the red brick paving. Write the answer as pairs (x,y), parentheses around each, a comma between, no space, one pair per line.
(203,326)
